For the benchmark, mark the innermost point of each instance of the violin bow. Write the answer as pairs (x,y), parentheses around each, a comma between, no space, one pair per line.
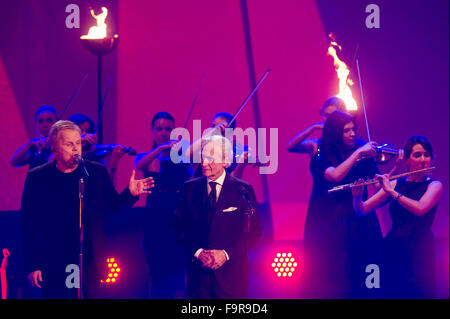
(103,103)
(249,97)
(362,99)
(74,95)
(195,100)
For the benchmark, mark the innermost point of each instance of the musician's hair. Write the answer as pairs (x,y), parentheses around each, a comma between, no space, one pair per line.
(333,101)
(331,145)
(226,116)
(79,119)
(417,139)
(45,109)
(162,115)
(218,141)
(58,127)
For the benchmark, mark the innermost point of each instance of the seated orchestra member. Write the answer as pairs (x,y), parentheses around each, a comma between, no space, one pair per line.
(168,277)
(37,151)
(408,269)
(212,226)
(50,214)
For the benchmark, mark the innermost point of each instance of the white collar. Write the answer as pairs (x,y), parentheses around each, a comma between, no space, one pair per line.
(220,180)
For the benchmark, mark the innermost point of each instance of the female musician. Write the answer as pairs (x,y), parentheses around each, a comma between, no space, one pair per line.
(164,255)
(220,123)
(87,127)
(300,143)
(408,254)
(338,244)
(89,143)
(37,151)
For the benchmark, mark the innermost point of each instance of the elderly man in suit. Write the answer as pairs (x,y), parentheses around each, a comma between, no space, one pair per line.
(217,226)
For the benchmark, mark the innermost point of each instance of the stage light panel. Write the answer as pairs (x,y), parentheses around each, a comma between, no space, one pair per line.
(284,264)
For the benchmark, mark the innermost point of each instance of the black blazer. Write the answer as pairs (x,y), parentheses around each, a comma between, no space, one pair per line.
(225,230)
(44,222)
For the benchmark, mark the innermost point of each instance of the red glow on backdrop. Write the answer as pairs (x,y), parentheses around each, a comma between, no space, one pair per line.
(113,271)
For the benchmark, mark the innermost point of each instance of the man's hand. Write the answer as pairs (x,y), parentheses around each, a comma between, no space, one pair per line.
(35,278)
(140,186)
(218,258)
(206,259)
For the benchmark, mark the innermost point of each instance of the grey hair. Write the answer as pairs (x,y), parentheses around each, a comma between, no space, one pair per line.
(58,127)
(220,142)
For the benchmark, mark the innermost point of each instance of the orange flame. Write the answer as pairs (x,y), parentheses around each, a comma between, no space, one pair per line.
(98,31)
(345,93)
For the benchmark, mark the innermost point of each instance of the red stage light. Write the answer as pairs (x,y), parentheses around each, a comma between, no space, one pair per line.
(283,264)
(112,274)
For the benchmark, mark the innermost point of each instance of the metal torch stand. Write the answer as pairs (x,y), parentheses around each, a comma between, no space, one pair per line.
(99,100)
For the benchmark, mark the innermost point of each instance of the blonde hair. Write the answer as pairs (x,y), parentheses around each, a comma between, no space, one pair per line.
(58,127)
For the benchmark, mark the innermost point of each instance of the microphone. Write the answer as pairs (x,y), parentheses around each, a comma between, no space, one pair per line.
(78,159)
(251,209)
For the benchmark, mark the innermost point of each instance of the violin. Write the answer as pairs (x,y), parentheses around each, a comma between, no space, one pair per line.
(384,153)
(100,151)
(239,151)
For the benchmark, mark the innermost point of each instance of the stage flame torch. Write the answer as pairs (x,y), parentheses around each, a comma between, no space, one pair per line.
(342,71)
(99,43)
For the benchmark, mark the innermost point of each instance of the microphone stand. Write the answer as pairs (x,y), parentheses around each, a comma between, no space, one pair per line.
(80,224)
(81,192)
(249,211)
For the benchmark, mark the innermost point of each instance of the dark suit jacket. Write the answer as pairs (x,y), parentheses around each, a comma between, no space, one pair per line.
(50,220)
(226,230)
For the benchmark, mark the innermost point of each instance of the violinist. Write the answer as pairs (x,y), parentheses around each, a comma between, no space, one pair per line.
(409,263)
(301,143)
(219,123)
(165,257)
(37,151)
(91,150)
(338,244)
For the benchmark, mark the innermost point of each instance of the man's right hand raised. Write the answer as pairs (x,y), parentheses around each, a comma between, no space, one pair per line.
(35,278)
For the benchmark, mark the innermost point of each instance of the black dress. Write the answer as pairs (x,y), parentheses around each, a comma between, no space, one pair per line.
(165,257)
(409,258)
(338,244)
